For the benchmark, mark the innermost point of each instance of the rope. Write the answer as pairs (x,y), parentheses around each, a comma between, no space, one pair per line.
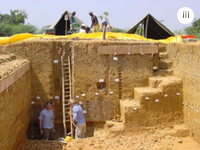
(129,49)
(115,50)
(188,72)
(141,50)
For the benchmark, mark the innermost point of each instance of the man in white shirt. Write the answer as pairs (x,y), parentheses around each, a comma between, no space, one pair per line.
(82,30)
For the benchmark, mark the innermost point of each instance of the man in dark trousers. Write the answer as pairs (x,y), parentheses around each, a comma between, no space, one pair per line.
(46,122)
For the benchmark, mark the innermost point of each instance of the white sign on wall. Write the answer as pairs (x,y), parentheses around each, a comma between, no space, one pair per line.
(101,80)
(57,97)
(55,61)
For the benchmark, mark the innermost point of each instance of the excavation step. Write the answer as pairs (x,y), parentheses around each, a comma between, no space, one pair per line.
(163,56)
(6,58)
(9,66)
(163,72)
(162,48)
(144,93)
(129,108)
(176,130)
(165,64)
(115,127)
(157,82)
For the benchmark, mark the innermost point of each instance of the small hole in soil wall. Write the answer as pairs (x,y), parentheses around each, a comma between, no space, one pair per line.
(101,85)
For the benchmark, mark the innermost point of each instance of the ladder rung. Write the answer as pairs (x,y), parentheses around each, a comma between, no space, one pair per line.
(67,120)
(66,71)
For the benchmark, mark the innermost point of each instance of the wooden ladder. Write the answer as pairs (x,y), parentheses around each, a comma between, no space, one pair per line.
(66,94)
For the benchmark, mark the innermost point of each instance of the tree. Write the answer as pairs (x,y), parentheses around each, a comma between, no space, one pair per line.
(16,17)
(179,32)
(101,17)
(43,29)
(9,30)
(194,29)
(119,30)
(106,13)
(15,23)
(140,30)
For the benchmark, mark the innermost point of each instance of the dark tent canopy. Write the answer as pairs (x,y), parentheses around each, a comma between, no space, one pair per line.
(152,28)
(59,26)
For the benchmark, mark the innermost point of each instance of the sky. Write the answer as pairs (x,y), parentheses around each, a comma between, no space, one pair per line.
(122,13)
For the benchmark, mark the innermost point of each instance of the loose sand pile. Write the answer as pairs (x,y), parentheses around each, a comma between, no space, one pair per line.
(144,139)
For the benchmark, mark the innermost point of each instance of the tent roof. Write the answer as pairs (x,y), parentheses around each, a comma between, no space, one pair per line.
(60,24)
(153,28)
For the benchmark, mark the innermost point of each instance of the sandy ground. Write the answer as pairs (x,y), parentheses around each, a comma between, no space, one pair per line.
(8,63)
(145,139)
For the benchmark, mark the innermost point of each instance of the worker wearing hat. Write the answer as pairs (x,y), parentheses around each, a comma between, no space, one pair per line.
(83,27)
(78,119)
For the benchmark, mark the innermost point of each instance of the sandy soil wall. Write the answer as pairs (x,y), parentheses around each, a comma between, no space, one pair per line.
(89,67)
(15,114)
(186,60)
(45,74)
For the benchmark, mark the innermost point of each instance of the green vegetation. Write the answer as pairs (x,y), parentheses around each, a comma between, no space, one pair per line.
(179,32)
(104,14)
(119,30)
(9,30)
(194,29)
(14,23)
(43,29)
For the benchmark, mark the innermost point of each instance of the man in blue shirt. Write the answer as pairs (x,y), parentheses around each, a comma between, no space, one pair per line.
(78,119)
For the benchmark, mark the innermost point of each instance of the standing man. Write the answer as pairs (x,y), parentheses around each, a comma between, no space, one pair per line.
(95,23)
(78,119)
(46,122)
(72,20)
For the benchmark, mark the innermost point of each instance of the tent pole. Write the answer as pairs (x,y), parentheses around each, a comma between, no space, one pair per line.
(65,27)
(141,29)
(104,32)
(146,27)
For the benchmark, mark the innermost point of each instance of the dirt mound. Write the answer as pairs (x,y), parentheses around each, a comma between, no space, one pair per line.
(155,138)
